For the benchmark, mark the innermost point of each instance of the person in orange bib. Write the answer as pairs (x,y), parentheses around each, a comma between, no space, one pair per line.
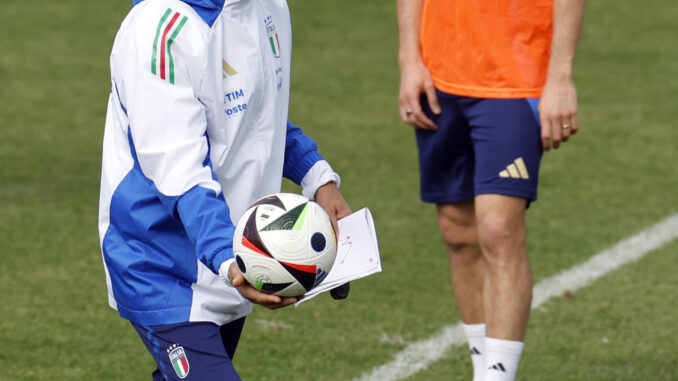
(488,87)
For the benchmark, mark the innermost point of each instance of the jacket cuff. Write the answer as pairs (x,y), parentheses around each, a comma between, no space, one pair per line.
(223,271)
(320,174)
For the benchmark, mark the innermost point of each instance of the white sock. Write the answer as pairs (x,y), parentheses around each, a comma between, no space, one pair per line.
(475,333)
(501,359)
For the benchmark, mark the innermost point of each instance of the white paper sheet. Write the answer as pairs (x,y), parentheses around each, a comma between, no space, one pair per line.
(357,253)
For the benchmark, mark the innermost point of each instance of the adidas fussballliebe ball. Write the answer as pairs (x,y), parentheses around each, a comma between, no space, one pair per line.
(285,244)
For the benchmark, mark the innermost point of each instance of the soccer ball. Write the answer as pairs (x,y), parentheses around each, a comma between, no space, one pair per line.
(285,244)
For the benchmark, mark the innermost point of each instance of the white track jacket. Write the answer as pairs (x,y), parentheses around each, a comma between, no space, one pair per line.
(196,130)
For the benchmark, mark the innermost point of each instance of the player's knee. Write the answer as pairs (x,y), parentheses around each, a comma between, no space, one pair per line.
(498,237)
(459,235)
(463,251)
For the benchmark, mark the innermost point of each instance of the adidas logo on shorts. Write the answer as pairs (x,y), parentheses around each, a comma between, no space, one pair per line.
(515,170)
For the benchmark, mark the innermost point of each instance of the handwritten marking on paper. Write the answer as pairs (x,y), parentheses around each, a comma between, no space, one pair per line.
(348,244)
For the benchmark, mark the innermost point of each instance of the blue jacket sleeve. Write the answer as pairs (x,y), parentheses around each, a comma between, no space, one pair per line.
(206,219)
(301,153)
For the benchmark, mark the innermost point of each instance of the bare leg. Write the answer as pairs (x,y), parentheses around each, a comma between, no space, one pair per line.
(458,228)
(457,225)
(508,281)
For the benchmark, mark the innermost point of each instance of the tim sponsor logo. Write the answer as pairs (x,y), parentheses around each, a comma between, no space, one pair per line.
(233,102)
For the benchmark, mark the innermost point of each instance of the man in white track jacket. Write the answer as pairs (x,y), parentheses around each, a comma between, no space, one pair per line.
(196,130)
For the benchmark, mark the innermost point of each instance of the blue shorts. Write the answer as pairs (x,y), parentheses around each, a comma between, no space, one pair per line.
(482,146)
(193,351)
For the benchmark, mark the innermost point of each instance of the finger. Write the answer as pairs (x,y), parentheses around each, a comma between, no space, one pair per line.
(411,117)
(289,301)
(344,211)
(335,225)
(575,124)
(418,116)
(407,102)
(545,134)
(259,297)
(270,301)
(251,293)
(556,133)
(331,211)
(566,129)
(404,108)
(422,121)
(432,98)
(404,114)
(237,280)
(284,302)
(415,116)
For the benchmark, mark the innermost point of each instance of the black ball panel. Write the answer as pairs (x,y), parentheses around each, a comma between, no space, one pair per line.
(318,242)
(241,264)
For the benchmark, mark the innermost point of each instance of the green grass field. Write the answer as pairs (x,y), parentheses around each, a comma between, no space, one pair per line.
(616,177)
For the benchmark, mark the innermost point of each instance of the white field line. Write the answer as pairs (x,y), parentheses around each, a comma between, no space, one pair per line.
(419,355)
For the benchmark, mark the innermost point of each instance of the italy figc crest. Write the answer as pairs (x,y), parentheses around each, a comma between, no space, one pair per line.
(177,357)
(273,37)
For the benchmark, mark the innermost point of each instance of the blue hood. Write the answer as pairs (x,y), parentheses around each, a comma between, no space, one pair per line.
(208,4)
(209,10)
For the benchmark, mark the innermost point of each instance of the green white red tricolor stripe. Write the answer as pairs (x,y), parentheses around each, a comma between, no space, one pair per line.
(170,25)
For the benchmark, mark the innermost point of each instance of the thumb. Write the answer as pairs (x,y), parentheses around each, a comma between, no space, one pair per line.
(238,280)
(335,224)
